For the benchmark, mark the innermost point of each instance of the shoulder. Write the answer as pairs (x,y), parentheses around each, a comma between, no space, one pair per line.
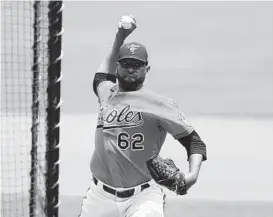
(159,99)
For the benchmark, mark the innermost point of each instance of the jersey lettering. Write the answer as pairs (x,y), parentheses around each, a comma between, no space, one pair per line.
(138,139)
(124,118)
(123,141)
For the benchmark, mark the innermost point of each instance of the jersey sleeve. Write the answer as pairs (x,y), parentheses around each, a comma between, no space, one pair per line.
(174,121)
(102,85)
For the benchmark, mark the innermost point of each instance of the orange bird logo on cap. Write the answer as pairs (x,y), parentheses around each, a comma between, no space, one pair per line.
(133,48)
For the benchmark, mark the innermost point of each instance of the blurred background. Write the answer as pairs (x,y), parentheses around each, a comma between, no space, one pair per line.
(213,58)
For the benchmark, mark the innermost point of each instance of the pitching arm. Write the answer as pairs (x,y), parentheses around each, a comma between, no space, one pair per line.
(106,72)
(108,65)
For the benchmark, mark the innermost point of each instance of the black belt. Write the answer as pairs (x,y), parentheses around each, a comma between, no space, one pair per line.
(121,194)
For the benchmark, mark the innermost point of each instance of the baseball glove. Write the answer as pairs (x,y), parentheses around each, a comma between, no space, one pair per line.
(165,172)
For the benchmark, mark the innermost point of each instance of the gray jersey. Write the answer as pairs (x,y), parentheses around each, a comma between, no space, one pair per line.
(131,127)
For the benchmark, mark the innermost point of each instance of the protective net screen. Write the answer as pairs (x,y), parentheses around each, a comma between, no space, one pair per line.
(24,62)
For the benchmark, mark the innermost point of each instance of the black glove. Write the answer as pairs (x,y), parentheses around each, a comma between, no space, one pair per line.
(165,172)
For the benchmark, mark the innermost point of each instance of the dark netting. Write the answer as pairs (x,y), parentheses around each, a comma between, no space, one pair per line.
(26,45)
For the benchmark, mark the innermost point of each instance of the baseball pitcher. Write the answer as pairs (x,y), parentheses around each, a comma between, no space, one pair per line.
(128,173)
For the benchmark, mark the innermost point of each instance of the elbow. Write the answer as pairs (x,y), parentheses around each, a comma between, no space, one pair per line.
(194,145)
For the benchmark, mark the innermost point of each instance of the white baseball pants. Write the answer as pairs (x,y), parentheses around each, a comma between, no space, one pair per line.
(146,203)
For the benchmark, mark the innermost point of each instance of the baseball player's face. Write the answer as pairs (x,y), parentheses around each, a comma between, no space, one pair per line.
(131,74)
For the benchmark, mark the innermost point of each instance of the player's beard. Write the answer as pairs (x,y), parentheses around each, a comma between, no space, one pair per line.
(130,83)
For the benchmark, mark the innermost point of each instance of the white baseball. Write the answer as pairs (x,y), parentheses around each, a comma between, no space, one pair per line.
(126,22)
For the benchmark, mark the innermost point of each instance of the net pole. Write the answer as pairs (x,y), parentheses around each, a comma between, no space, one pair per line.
(35,108)
(54,103)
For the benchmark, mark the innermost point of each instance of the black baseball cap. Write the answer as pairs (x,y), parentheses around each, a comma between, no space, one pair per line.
(133,50)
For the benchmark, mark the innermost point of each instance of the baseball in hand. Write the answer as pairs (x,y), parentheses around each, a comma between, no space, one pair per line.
(126,22)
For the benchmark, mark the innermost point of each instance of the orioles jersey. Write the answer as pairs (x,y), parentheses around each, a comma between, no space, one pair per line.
(131,127)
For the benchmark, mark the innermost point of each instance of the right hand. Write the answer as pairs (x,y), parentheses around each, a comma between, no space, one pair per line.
(124,33)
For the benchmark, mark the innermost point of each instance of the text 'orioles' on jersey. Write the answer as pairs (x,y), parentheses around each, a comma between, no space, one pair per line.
(131,127)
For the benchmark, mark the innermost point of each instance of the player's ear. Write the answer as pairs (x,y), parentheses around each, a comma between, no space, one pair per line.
(148,68)
(147,71)
(117,65)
